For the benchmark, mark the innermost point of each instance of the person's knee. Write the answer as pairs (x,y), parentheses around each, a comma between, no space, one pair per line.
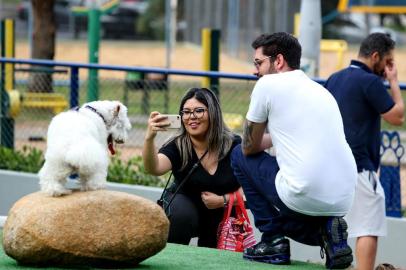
(183,214)
(182,218)
(183,225)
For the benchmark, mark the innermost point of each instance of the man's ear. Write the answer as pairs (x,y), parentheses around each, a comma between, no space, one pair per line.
(279,62)
(375,57)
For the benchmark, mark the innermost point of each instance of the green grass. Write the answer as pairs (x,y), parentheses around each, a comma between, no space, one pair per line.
(181,257)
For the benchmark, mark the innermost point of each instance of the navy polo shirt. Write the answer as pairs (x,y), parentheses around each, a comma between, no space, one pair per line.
(362,98)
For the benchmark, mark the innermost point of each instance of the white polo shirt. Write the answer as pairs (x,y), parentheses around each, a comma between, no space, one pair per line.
(317,169)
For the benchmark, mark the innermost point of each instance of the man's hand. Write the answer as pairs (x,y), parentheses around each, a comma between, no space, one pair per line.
(391,73)
(394,116)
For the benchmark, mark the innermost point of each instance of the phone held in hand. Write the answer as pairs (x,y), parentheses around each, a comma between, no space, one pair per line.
(174,120)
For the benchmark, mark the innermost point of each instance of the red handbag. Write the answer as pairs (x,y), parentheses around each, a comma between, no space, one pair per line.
(235,233)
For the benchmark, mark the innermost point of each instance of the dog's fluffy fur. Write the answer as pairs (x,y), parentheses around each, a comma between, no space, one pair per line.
(77,142)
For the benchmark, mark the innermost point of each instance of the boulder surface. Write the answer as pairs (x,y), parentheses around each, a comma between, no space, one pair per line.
(97,228)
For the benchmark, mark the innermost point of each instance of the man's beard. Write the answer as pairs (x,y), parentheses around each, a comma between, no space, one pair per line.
(377,71)
(271,70)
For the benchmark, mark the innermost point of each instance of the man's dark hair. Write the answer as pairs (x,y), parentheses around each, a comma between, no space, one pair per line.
(280,43)
(376,42)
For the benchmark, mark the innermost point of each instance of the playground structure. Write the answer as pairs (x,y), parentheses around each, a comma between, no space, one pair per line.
(53,101)
(376,6)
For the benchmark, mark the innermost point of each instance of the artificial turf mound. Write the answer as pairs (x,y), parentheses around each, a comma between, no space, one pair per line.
(182,257)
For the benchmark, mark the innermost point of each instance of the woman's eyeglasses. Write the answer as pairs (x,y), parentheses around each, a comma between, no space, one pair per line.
(197,113)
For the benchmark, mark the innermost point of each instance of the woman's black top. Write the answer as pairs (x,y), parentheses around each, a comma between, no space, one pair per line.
(221,182)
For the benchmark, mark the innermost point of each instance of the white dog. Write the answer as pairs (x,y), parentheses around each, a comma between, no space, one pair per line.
(77,142)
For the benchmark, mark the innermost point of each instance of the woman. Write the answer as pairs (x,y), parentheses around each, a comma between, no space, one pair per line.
(198,207)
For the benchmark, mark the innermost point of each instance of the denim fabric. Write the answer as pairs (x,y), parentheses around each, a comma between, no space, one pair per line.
(256,174)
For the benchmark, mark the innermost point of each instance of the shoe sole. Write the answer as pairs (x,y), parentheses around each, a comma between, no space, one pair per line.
(280,259)
(335,234)
(343,256)
(341,262)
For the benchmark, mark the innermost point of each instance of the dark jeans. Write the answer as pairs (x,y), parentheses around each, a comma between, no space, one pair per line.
(190,218)
(256,174)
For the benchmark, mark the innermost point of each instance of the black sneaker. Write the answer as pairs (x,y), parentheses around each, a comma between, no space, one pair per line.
(276,252)
(334,243)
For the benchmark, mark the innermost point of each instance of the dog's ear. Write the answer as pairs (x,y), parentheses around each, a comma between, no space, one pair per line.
(117,110)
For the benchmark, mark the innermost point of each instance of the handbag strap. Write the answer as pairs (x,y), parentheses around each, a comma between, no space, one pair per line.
(229,207)
(185,179)
(240,206)
(166,186)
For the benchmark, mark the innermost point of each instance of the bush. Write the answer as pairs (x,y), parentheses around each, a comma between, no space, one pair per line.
(30,159)
(132,172)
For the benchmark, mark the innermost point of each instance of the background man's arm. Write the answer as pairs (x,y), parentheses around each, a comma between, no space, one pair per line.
(254,138)
(394,116)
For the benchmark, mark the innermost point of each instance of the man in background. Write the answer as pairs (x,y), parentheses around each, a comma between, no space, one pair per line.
(363,99)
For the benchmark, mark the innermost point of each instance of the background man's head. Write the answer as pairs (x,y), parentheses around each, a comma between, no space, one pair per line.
(275,53)
(376,51)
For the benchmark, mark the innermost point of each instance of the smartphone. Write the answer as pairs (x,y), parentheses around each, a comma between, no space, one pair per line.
(174,120)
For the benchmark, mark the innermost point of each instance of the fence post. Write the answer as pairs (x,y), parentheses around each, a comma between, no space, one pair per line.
(7,83)
(74,87)
(211,57)
(310,36)
(94,29)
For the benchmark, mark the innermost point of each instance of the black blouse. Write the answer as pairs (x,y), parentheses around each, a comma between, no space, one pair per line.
(221,182)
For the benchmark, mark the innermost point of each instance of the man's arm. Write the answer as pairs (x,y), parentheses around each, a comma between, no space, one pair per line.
(395,115)
(254,140)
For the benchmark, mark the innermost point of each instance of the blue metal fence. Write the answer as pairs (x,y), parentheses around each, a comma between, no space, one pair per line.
(74,74)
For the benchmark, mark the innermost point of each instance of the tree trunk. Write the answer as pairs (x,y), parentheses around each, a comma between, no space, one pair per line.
(43,44)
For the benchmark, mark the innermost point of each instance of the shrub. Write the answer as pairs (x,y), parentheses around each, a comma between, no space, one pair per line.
(132,172)
(30,159)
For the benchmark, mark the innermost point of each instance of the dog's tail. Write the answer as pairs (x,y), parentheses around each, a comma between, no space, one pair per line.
(87,157)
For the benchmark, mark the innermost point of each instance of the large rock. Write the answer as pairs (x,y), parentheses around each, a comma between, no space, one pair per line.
(97,228)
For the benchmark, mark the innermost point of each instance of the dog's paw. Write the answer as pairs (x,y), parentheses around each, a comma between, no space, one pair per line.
(92,187)
(58,192)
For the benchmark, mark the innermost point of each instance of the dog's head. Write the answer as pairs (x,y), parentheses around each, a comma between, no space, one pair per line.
(114,114)
(120,124)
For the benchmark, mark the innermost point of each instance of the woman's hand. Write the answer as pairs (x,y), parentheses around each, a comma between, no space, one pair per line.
(212,200)
(155,123)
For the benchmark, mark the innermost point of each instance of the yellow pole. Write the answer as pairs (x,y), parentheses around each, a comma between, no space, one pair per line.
(206,41)
(342,5)
(9,52)
(296,25)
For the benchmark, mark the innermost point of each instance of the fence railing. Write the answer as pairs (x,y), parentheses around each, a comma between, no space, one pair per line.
(141,89)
